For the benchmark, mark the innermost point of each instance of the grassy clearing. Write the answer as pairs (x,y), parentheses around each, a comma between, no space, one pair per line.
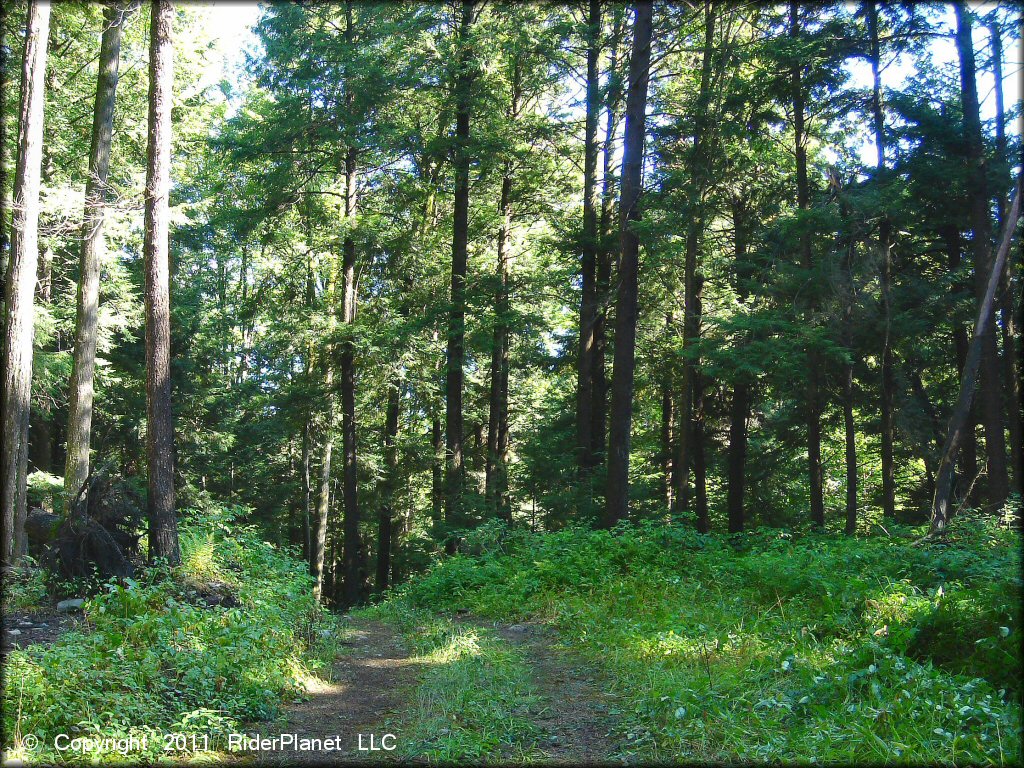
(784,648)
(156,661)
(475,700)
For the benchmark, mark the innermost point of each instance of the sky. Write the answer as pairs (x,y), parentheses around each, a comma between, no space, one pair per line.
(231,22)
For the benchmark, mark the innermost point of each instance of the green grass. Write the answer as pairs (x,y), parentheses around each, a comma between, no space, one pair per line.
(474,700)
(152,662)
(786,648)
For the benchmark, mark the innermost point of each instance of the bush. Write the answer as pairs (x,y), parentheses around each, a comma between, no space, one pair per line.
(156,660)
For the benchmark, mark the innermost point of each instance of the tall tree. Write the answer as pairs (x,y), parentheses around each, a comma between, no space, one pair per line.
(83,369)
(163,521)
(885,273)
(20,289)
(813,406)
(978,202)
(351,547)
(942,508)
(690,443)
(589,245)
(1009,306)
(4,4)
(455,469)
(385,520)
(626,306)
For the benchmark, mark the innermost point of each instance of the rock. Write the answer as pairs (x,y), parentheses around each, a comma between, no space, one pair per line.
(518,628)
(14,632)
(71,605)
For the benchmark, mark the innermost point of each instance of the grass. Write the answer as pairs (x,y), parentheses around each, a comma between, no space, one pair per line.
(475,700)
(153,660)
(785,647)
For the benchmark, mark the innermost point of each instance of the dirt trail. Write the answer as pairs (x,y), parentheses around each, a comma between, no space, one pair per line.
(371,682)
(578,729)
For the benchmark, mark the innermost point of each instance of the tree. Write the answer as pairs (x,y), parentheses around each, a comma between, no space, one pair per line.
(84,366)
(885,273)
(589,246)
(623,365)
(942,510)
(981,227)
(813,406)
(20,288)
(163,522)
(455,469)
(3,149)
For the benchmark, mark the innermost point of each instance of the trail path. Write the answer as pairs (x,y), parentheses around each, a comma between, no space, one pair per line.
(374,681)
(574,717)
(371,683)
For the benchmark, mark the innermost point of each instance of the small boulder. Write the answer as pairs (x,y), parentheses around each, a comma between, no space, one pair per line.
(14,632)
(67,606)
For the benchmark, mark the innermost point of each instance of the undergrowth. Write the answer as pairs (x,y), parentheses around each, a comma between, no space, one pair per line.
(776,646)
(153,658)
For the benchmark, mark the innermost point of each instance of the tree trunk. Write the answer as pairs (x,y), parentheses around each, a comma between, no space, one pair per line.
(352,550)
(968,462)
(163,522)
(323,499)
(20,288)
(455,469)
(76,468)
(4,4)
(1009,307)
(605,253)
(990,391)
(739,411)
(497,423)
(849,299)
(816,478)
(387,504)
(885,260)
(690,430)
(700,492)
(942,509)
(624,362)
(668,417)
(588,267)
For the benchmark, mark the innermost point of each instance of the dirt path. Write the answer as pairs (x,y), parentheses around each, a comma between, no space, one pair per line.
(371,681)
(577,727)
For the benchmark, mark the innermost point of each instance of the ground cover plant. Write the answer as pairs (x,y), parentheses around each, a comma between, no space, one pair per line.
(777,646)
(165,654)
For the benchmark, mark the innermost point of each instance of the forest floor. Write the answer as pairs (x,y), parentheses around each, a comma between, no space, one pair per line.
(373,692)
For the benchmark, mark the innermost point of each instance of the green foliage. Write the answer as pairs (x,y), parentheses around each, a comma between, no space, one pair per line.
(153,658)
(777,647)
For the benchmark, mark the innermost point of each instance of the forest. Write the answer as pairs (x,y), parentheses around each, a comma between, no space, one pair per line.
(572,382)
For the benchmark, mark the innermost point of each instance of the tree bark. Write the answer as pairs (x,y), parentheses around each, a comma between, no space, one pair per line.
(496,472)
(885,260)
(690,430)
(163,522)
(1009,307)
(981,226)
(20,288)
(496,478)
(624,360)
(739,410)
(83,370)
(588,266)
(385,521)
(455,469)
(352,551)
(606,254)
(668,417)
(942,509)
(4,5)
(848,300)
(816,478)
(968,461)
